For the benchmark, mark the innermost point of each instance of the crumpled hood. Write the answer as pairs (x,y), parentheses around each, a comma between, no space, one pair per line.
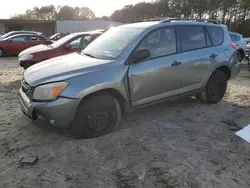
(34,49)
(61,68)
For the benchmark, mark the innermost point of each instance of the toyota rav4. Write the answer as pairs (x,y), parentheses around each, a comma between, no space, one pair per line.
(129,67)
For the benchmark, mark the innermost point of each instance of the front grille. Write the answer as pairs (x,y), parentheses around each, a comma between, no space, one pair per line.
(27,89)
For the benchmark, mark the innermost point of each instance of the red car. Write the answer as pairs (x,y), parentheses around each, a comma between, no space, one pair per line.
(74,42)
(14,44)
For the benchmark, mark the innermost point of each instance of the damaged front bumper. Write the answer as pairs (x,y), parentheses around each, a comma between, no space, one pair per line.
(59,113)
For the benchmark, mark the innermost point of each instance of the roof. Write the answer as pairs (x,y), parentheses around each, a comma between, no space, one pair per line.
(25,34)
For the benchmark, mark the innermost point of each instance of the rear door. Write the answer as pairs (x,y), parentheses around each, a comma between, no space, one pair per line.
(196,56)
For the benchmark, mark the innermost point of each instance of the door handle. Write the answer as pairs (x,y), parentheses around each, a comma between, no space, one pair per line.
(176,64)
(213,56)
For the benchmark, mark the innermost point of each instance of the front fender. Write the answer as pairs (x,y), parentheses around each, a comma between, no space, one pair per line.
(115,78)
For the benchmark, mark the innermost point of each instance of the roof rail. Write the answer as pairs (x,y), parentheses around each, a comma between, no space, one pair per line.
(153,19)
(191,19)
(148,20)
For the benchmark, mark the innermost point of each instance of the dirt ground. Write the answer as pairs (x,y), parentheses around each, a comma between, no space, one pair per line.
(178,144)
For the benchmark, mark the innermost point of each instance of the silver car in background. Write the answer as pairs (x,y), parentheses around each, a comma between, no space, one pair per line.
(240,43)
(129,67)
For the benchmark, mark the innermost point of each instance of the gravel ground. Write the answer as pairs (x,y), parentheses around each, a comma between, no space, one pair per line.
(172,145)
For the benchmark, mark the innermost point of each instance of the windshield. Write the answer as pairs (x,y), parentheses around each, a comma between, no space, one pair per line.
(62,40)
(111,44)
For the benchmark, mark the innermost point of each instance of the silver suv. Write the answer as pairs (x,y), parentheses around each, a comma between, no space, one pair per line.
(126,68)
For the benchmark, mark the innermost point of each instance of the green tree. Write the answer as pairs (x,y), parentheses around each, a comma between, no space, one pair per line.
(234,13)
(66,13)
(83,13)
(61,13)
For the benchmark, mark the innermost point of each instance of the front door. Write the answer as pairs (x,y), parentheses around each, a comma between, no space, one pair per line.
(158,76)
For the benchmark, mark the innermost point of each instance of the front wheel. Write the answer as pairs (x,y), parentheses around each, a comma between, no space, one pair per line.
(215,88)
(97,116)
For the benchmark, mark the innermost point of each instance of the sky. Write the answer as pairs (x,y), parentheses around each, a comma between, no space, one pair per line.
(9,8)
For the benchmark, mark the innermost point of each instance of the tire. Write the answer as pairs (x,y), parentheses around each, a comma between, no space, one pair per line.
(97,116)
(215,88)
(1,52)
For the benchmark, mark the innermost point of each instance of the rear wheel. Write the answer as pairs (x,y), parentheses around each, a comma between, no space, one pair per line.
(1,52)
(97,116)
(215,88)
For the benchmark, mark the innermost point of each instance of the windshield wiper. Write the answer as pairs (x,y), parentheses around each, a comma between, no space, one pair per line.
(87,54)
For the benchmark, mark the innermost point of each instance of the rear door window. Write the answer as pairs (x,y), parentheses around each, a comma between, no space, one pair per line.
(191,38)
(217,35)
(36,38)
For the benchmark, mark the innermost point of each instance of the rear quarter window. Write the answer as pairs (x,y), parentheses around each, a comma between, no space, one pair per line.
(216,34)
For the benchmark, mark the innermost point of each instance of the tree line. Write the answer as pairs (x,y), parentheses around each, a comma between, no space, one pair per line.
(234,13)
(52,13)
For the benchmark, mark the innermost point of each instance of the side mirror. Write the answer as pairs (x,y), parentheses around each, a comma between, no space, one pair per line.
(10,41)
(68,46)
(140,55)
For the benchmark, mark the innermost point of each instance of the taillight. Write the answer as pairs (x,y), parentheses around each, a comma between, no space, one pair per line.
(234,46)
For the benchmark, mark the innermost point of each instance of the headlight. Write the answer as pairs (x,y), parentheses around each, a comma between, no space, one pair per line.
(25,57)
(49,92)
